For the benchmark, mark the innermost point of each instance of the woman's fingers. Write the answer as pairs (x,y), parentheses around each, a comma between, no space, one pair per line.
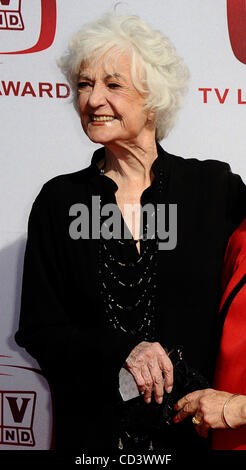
(148,362)
(148,383)
(165,364)
(188,405)
(189,401)
(206,406)
(157,380)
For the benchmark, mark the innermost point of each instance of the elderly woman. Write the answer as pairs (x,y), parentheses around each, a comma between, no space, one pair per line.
(92,304)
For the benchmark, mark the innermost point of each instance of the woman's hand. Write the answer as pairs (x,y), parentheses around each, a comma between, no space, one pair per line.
(147,362)
(207,407)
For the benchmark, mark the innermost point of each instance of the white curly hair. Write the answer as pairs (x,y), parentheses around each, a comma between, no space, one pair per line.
(164,76)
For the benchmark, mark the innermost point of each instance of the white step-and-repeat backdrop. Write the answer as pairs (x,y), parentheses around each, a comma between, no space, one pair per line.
(41,137)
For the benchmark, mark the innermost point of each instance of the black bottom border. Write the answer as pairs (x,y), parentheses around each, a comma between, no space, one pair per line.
(69,459)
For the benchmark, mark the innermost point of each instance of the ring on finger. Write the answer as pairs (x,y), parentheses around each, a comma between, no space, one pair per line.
(196,421)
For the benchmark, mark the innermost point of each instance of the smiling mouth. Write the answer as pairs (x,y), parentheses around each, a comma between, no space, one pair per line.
(102,118)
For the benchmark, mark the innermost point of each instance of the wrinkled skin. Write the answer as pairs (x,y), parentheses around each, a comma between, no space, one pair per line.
(148,363)
(207,407)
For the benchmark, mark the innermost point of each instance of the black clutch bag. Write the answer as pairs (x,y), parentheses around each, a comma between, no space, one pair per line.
(140,422)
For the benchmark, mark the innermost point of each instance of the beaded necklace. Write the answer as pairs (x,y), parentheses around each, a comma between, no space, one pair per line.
(121,279)
(113,276)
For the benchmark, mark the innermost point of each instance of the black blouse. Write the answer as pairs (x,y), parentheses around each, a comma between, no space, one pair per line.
(63,320)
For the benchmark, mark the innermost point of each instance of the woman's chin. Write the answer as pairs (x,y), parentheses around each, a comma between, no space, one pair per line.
(99,140)
(101,132)
(100,137)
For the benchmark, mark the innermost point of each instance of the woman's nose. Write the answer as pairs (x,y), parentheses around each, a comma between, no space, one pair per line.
(97,96)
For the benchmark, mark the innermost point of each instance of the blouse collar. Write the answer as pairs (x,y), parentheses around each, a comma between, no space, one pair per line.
(160,168)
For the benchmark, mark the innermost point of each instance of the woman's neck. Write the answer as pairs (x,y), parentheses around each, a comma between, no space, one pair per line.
(130,164)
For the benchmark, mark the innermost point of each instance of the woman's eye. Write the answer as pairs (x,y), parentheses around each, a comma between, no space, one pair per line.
(83,84)
(113,85)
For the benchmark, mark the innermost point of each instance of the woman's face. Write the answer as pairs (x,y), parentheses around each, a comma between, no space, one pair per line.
(111,109)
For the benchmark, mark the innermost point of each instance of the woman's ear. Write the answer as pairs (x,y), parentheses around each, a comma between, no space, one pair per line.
(151,118)
(151,114)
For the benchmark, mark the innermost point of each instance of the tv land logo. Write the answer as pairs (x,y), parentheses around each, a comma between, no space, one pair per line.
(11,18)
(16,418)
(236,16)
(10,15)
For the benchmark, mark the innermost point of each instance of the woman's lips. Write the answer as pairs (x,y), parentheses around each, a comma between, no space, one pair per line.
(101,120)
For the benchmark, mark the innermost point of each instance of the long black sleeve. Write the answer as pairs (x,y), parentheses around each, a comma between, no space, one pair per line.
(48,329)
